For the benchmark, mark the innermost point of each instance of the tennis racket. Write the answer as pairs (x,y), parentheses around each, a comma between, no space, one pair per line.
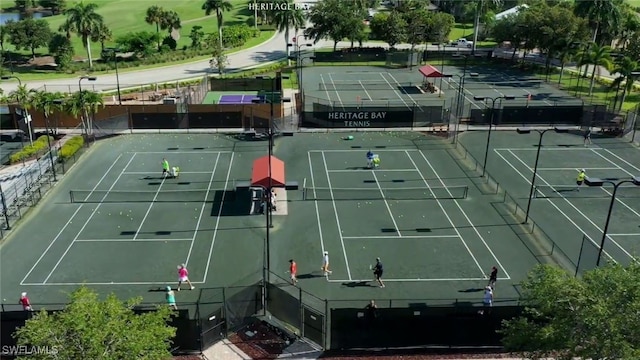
(370,267)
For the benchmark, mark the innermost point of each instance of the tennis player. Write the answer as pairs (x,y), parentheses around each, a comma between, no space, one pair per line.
(293,271)
(325,264)
(25,302)
(587,137)
(493,277)
(377,272)
(183,276)
(370,155)
(165,168)
(580,178)
(171,298)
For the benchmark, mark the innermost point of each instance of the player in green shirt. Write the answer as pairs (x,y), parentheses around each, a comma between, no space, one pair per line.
(165,168)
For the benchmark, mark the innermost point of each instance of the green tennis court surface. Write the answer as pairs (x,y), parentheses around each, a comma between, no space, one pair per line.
(116,224)
(568,214)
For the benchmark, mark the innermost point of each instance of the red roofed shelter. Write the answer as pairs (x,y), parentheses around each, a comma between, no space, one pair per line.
(430,71)
(260,174)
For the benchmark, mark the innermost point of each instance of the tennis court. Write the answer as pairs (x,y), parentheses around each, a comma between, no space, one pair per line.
(567,214)
(115,224)
(371,87)
(238,97)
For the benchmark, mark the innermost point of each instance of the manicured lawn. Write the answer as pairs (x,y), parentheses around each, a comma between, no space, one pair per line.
(45,75)
(122,16)
(466,31)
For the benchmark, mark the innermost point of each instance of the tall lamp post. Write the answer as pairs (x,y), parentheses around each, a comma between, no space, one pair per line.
(27,117)
(88,78)
(535,166)
(493,106)
(616,184)
(298,56)
(114,52)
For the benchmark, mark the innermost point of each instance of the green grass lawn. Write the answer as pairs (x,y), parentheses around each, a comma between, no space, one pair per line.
(123,16)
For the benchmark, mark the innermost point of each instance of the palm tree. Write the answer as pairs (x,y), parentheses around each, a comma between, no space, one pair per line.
(102,35)
(219,7)
(481,8)
(600,13)
(598,56)
(84,103)
(84,21)
(22,96)
(154,16)
(564,50)
(286,18)
(170,21)
(628,72)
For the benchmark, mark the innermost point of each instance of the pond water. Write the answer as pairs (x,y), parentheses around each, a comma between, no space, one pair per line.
(4,17)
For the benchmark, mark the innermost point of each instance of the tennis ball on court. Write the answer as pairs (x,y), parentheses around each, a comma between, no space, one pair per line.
(109,214)
(118,226)
(120,212)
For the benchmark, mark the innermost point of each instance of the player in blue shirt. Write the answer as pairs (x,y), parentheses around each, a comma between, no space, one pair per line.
(370,156)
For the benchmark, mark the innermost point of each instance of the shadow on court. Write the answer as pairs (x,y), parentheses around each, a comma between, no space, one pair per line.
(356,284)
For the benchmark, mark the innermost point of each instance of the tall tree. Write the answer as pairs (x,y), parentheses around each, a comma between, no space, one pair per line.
(593,317)
(46,103)
(628,72)
(170,21)
(603,15)
(56,6)
(154,16)
(481,7)
(85,104)
(219,60)
(288,17)
(196,35)
(328,22)
(599,57)
(30,34)
(395,29)
(219,7)
(102,35)
(62,50)
(85,21)
(417,20)
(90,328)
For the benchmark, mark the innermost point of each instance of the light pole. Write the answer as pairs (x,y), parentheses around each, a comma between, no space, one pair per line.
(493,105)
(298,56)
(535,166)
(27,117)
(88,78)
(616,184)
(115,62)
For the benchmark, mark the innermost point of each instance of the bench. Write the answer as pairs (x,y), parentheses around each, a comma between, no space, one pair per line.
(243,185)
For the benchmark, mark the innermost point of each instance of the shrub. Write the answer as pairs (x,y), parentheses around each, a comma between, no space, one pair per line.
(71,147)
(31,150)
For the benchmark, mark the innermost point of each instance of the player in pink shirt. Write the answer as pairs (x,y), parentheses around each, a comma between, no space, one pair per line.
(183,276)
(26,303)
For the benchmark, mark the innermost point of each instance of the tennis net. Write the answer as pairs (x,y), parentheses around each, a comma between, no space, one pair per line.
(383,85)
(572,191)
(102,196)
(525,84)
(423,193)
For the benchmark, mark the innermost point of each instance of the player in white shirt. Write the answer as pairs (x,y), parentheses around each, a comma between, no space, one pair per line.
(325,264)
(175,171)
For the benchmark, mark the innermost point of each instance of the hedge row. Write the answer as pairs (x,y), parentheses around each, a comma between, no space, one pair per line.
(71,147)
(31,150)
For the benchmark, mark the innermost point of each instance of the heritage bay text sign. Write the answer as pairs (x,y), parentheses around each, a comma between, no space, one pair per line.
(366,119)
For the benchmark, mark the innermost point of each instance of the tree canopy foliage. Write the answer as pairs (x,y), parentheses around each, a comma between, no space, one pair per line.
(593,317)
(90,328)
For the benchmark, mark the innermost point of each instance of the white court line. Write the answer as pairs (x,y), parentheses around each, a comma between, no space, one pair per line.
(610,193)
(571,169)
(471,101)
(416,280)
(442,207)
(70,220)
(404,237)
(395,224)
(93,212)
(313,184)
(623,160)
(553,204)
(576,209)
(169,152)
(378,170)
(545,149)
(335,212)
(365,90)
(362,150)
(162,283)
(397,93)
(155,172)
(623,234)
(130,240)
(144,218)
(334,86)
(204,203)
(215,229)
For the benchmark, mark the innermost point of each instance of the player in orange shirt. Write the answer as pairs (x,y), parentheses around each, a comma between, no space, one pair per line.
(293,270)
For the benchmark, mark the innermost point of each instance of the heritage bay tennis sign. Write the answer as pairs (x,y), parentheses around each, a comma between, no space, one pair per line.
(365,119)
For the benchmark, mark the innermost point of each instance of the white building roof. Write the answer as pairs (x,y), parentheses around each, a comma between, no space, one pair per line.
(512,11)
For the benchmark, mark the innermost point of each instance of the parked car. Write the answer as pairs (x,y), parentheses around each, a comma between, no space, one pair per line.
(462,43)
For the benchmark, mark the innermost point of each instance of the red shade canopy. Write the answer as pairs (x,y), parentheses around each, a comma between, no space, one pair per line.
(260,174)
(429,71)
